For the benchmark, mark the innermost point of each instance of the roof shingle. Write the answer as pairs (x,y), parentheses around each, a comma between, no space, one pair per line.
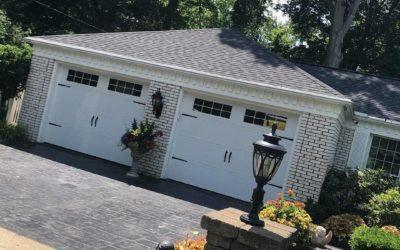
(372,95)
(221,52)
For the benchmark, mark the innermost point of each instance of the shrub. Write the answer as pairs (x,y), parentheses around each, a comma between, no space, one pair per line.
(291,213)
(343,225)
(348,192)
(384,208)
(372,182)
(11,133)
(338,195)
(365,238)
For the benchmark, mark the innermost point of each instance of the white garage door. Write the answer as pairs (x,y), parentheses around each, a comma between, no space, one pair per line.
(89,113)
(213,145)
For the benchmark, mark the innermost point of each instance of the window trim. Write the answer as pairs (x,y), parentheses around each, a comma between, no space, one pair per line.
(265,116)
(370,147)
(93,78)
(119,80)
(224,112)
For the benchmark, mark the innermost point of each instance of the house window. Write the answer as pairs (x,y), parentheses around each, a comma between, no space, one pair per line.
(82,78)
(125,87)
(213,108)
(385,153)
(264,119)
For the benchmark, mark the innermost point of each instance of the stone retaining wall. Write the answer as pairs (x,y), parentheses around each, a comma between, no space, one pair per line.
(226,231)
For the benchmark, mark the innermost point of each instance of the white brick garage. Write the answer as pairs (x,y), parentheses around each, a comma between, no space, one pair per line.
(220,66)
(212,147)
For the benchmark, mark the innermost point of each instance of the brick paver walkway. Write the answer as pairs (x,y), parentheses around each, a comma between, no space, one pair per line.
(70,201)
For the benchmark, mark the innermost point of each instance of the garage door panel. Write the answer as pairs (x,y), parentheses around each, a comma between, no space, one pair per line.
(207,152)
(91,119)
(202,141)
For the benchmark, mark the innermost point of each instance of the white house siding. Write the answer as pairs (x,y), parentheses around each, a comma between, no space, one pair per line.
(343,148)
(35,96)
(152,163)
(364,131)
(314,151)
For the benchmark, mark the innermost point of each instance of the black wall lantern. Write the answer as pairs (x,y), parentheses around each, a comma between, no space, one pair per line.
(267,157)
(157,102)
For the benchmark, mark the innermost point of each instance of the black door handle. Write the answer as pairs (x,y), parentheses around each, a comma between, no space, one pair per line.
(95,121)
(91,120)
(229,158)
(226,152)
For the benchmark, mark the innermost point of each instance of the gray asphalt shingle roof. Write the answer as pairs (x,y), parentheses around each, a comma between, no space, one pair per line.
(221,52)
(372,95)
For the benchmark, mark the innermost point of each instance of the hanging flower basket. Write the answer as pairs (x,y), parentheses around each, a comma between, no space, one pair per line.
(140,139)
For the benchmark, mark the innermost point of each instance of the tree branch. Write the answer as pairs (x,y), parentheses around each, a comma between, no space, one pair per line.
(352,12)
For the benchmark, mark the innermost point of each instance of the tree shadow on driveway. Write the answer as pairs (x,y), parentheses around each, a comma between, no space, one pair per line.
(117,172)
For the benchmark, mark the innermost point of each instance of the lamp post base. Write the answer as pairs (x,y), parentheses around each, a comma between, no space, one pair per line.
(246,218)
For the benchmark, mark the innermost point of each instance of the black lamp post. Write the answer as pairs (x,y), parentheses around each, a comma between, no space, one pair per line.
(267,157)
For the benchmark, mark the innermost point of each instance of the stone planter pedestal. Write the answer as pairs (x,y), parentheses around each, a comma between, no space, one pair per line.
(226,231)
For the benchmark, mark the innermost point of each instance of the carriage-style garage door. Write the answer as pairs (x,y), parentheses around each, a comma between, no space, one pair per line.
(213,148)
(89,112)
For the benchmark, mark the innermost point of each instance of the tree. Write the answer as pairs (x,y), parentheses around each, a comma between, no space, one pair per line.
(15,58)
(342,17)
(249,15)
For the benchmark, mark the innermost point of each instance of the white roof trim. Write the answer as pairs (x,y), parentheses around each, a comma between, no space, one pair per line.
(366,117)
(332,99)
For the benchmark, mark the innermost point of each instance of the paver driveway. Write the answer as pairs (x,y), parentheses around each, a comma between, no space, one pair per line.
(71,201)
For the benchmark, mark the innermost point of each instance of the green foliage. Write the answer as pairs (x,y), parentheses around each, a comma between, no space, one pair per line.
(384,208)
(11,133)
(14,68)
(285,210)
(348,191)
(279,38)
(371,45)
(338,195)
(343,225)
(372,182)
(9,33)
(249,15)
(140,138)
(365,238)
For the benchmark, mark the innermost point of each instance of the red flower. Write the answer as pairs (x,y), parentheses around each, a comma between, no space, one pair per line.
(158,133)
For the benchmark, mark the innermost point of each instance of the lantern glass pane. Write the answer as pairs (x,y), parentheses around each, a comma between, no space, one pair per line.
(256,162)
(267,166)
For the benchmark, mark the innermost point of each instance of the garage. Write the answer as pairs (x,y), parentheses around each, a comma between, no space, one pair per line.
(213,148)
(88,112)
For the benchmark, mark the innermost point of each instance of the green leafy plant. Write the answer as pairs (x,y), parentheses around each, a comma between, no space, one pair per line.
(140,138)
(287,211)
(373,238)
(348,192)
(343,225)
(11,133)
(384,208)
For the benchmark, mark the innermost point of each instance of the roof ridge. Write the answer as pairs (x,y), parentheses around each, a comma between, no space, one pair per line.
(138,31)
(349,70)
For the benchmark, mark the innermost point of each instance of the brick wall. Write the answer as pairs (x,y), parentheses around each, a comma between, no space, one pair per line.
(35,95)
(343,148)
(152,163)
(314,151)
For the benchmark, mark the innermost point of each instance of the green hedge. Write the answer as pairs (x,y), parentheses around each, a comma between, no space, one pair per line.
(373,238)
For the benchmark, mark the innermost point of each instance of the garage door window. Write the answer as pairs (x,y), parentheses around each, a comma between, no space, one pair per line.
(125,87)
(82,78)
(264,119)
(213,108)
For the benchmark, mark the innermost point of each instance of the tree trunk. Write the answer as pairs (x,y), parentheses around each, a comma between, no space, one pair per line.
(340,24)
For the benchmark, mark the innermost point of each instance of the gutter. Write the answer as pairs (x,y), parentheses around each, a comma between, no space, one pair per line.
(322,97)
(365,117)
